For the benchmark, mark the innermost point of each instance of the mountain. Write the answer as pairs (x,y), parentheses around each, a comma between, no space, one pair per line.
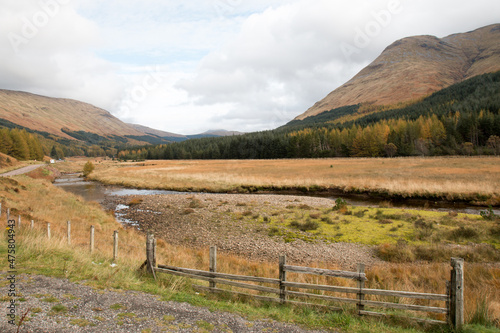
(222,132)
(180,137)
(155,132)
(59,116)
(415,67)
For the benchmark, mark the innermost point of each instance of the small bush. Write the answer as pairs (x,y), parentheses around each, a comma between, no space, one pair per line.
(88,168)
(306,226)
(247,213)
(421,224)
(196,203)
(360,213)
(399,252)
(463,233)
(327,220)
(488,214)
(340,204)
(315,215)
(187,211)
(273,231)
(58,309)
(134,201)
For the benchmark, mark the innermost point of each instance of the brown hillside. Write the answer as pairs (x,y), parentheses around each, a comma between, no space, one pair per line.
(52,114)
(414,67)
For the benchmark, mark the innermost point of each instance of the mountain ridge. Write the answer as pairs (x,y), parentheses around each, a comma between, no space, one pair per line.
(52,115)
(414,67)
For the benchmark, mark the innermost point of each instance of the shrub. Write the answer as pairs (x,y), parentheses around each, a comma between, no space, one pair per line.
(196,203)
(360,213)
(314,215)
(399,252)
(134,201)
(463,233)
(187,211)
(306,226)
(327,219)
(488,214)
(88,168)
(340,204)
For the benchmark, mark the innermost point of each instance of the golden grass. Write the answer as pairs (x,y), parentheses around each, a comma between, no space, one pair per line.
(440,177)
(39,200)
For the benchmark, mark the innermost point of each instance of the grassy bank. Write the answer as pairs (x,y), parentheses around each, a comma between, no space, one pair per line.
(39,200)
(475,179)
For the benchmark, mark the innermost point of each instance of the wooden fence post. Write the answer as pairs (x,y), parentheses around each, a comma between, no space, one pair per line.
(91,239)
(456,315)
(19,221)
(115,245)
(150,253)
(213,264)
(48,230)
(32,224)
(361,285)
(282,278)
(69,232)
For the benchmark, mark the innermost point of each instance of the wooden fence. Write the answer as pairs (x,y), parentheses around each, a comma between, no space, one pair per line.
(68,232)
(453,300)
(453,306)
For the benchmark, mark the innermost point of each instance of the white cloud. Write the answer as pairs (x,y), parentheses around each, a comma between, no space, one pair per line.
(231,64)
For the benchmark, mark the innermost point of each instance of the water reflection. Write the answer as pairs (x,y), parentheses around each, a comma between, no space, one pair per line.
(95,191)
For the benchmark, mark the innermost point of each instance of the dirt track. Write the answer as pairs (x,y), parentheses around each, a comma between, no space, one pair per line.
(22,170)
(57,305)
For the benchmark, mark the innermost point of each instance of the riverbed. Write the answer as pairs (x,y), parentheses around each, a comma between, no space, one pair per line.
(98,192)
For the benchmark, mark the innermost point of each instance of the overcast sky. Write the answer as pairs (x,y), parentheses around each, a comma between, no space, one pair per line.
(195,65)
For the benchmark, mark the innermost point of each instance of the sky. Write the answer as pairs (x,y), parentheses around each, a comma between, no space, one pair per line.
(196,65)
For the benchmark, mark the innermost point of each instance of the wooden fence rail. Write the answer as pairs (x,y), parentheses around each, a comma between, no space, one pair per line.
(453,299)
(68,232)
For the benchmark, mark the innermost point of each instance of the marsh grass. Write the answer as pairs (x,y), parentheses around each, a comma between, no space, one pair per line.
(39,200)
(452,178)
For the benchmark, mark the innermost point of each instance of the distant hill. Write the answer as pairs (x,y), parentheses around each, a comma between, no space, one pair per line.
(52,115)
(415,67)
(72,125)
(180,137)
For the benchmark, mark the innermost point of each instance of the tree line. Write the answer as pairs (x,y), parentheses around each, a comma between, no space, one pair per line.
(20,144)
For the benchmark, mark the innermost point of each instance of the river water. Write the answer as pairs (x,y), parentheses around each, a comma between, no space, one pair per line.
(95,191)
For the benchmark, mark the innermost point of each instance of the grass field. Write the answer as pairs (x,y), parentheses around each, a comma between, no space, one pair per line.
(39,200)
(451,178)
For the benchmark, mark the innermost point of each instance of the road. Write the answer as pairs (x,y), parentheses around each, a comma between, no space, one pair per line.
(22,170)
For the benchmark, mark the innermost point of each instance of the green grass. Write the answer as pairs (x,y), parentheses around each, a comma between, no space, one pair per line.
(378,226)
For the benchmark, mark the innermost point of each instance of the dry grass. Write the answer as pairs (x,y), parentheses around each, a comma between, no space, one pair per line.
(441,177)
(39,200)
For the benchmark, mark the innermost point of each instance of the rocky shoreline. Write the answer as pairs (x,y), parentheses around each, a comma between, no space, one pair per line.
(204,220)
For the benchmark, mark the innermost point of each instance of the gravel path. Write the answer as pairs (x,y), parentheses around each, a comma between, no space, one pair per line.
(235,224)
(57,305)
(22,170)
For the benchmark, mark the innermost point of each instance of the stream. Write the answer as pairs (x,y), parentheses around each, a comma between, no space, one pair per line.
(95,191)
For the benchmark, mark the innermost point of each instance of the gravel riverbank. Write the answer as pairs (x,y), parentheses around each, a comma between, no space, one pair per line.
(235,223)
